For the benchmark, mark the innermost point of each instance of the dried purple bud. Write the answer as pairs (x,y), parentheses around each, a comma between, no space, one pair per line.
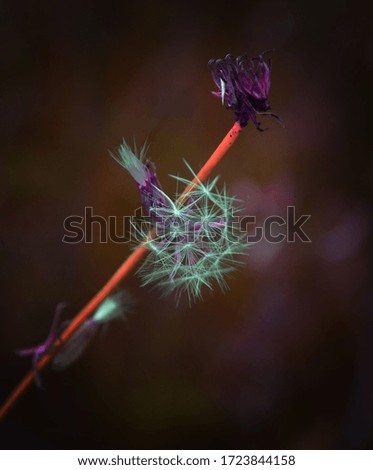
(151,197)
(144,174)
(243,85)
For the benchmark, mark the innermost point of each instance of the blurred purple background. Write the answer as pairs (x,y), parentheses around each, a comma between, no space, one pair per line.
(283,360)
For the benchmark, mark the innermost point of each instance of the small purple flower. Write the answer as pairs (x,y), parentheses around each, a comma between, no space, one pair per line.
(243,85)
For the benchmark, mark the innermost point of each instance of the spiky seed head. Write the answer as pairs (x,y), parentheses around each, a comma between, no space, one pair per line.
(195,245)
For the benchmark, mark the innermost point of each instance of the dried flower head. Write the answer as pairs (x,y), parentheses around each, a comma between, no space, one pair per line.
(195,244)
(143,172)
(243,85)
(113,307)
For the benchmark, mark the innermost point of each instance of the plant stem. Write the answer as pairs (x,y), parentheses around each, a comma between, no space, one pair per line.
(124,270)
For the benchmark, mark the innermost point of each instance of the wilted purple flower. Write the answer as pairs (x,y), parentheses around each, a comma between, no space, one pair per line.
(144,173)
(243,85)
(39,351)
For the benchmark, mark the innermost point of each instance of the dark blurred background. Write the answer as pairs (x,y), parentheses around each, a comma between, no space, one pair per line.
(284,359)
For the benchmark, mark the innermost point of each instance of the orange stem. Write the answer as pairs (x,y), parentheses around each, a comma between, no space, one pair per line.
(129,264)
(215,158)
